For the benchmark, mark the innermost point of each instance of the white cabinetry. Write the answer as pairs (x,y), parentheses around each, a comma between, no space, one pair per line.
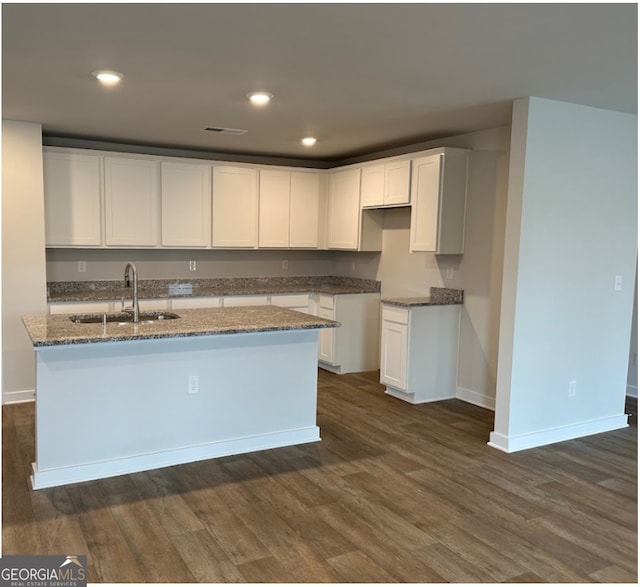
(273,219)
(81,307)
(131,202)
(386,184)
(348,227)
(298,302)
(419,352)
(289,203)
(235,207)
(186,204)
(251,300)
(304,210)
(196,302)
(438,200)
(72,199)
(353,346)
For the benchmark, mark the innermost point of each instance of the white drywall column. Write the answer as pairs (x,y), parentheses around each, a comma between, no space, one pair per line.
(571,228)
(23,253)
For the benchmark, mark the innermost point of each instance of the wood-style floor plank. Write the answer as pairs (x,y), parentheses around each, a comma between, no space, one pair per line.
(393,493)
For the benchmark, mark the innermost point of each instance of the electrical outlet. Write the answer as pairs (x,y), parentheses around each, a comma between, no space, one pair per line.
(449,272)
(192,265)
(285,264)
(194,384)
(572,388)
(82,266)
(617,283)
(353,265)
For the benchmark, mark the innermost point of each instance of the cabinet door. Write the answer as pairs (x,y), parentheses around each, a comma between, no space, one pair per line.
(81,307)
(273,222)
(131,201)
(326,339)
(344,210)
(304,210)
(397,183)
(196,302)
(393,354)
(425,202)
(372,189)
(235,301)
(72,199)
(186,204)
(235,207)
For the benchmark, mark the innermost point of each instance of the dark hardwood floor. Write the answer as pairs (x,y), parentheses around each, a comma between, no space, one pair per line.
(393,493)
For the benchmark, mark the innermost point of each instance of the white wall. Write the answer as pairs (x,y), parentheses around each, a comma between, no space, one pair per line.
(23,258)
(571,228)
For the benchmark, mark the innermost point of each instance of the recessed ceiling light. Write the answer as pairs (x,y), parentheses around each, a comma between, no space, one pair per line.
(260,98)
(107,77)
(309,141)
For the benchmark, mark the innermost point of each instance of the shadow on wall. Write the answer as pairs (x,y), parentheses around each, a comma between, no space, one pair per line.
(481,275)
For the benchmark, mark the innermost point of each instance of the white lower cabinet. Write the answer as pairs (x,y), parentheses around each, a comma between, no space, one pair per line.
(151,305)
(419,352)
(196,302)
(353,346)
(298,302)
(81,307)
(233,301)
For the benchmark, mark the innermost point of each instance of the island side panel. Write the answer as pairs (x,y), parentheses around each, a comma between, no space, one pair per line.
(111,408)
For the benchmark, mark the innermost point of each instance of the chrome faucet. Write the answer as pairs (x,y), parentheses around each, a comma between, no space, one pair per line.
(135,308)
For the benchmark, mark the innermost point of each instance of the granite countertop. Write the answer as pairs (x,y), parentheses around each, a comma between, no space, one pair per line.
(54,330)
(86,291)
(440,296)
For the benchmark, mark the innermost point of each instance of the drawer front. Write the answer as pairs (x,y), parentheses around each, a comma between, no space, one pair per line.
(197,302)
(395,314)
(290,300)
(233,301)
(80,307)
(326,301)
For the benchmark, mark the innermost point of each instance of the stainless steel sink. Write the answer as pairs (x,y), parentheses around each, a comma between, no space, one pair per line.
(122,318)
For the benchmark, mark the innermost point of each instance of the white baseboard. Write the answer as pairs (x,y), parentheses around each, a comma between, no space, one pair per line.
(552,435)
(16,397)
(476,398)
(144,462)
(632,391)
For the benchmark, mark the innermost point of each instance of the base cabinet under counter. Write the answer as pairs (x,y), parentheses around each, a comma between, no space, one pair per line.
(353,346)
(419,352)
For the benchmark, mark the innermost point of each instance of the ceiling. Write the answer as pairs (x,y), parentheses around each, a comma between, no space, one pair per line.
(359,77)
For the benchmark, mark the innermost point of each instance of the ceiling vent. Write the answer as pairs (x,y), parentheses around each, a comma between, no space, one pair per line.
(225,131)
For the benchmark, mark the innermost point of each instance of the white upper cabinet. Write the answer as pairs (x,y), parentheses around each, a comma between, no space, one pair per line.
(186,204)
(304,209)
(348,227)
(235,207)
(72,199)
(289,205)
(438,201)
(372,187)
(275,196)
(131,202)
(386,184)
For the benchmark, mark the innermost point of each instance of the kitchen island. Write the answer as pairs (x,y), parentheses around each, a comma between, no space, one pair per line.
(117,398)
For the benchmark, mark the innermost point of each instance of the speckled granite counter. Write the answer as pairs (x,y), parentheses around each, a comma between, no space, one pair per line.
(440,296)
(83,291)
(55,330)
